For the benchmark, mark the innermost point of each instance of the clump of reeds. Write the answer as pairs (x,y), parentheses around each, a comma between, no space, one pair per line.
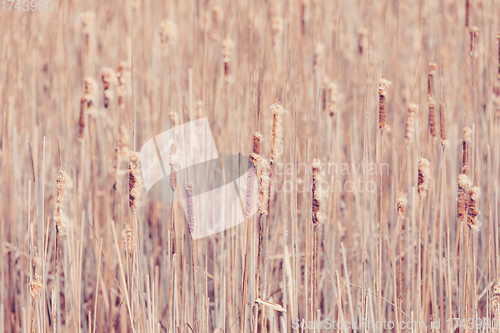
(108,77)
(124,83)
(168,34)
(401,203)
(135,182)
(382,91)
(410,123)
(227,51)
(424,176)
(278,134)
(333,95)
(442,123)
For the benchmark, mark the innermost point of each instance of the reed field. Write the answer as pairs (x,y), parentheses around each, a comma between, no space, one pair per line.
(372,130)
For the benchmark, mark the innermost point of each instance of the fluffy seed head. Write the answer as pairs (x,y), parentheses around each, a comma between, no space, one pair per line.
(333,95)
(318,195)
(382,91)
(168,33)
(474,194)
(495,299)
(401,203)
(278,133)
(410,123)
(135,182)
(191,221)
(424,176)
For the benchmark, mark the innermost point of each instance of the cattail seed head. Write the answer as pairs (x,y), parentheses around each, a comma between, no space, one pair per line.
(174,165)
(317,56)
(318,195)
(108,77)
(90,94)
(128,239)
(474,31)
(430,80)
(465,149)
(135,182)
(424,176)
(432,118)
(382,90)
(495,298)
(401,204)
(277,140)
(277,28)
(36,284)
(464,186)
(410,123)
(257,136)
(124,86)
(64,185)
(191,221)
(472,212)
(227,51)
(87,23)
(333,95)
(442,122)
(264,181)
(498,42)
(168,34)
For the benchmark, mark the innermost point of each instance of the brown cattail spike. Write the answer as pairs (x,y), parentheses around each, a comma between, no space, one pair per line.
(498,42)
(464,185)
(401,204)
(135,183)
(472,212)
(256,142)
(467,12)
(430,80)
(442,121)
(174,165)
(333,94)
(424,176)
(277,139)
(432,117)
(36,284)
(495,299)
(382,90)
(108,78)
(227,51)
(465,149)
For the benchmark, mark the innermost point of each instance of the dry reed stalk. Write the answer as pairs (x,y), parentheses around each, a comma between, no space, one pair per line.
(191,222)
(424,176)
(124,83)
(227,51)
(333,95)
(108,77)
(474,31)
(382,90)
(410,123)
(432,118)
(442,123)
(467,12)
(498,45)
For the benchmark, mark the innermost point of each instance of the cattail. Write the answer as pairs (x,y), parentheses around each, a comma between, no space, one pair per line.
(108,77)
(36,285)
(410,123)
(64,185)
(324,92)
(382,90)
(472,212)
(264,181)
(495,298)
(87,22)
(464,186)
(277,140)
(424,176)
(465,149)
(227,51)
(432,117)
(90,94)
(168,34)
(277,28)
(401,204)
(332,92)
(430,80)
(81,121)
(191,221)
(174,165)
(474,31)
(174,118)
(442,122)
(128,239)
(317,56)
(361,38)
(467,12)
(257,136)
(498,42)
(135,182)
(318,194)
(124,86)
